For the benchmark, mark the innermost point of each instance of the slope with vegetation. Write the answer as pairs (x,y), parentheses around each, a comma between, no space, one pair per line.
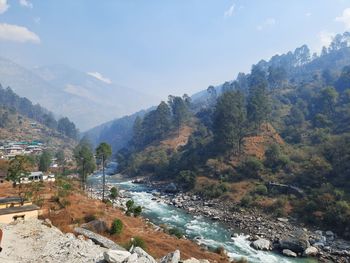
(287,121)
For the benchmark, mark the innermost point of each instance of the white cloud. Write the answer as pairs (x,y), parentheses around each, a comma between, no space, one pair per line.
(17,34)
(3,6)
(26,3)
(269,22)
(229,12)
(344,18)
(325,38)
(308,14)
(100,77)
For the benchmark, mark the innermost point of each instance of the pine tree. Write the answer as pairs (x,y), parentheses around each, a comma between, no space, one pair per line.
(230,121)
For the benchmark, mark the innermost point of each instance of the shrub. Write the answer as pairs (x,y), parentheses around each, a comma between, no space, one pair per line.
(214,190)
(187,179)
(117,227)
(176,232)
(261,189)
(251,167)
(137,211)
(136,242)
(246,201)
(114,193)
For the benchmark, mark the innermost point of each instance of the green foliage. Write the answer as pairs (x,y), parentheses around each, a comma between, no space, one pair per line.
(230,122)
(45,161)
(114,192)
(187,179)
(117,227)
(250,168)
(259,107)
(274,159)
(84,158)
(261,189)
(66,127)
(136,242)
(246,201)
(176,232)
(18,167)
(131,208)
(214,190)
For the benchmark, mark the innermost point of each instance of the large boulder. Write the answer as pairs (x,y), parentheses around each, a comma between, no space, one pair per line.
(173,257)
(289,253)
(142,256)
(261,244)
(298,242)
(310,252)
(131,259)
(115,256)
(98,239)
(194,260)
(171,188)
(97,226)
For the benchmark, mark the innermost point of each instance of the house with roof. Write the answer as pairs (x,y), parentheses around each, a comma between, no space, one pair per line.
(16,208)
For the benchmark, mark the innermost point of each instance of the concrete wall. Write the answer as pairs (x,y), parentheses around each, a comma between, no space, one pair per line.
(6,219)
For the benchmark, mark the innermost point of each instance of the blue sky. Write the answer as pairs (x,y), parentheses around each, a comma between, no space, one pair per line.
(164,47)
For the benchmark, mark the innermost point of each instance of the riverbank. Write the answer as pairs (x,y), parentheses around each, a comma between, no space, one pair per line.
(281,233)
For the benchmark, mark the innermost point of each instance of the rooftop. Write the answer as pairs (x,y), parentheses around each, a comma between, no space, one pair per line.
(12,199)
(18,209)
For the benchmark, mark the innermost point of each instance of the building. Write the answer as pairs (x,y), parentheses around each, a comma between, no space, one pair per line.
(15,208)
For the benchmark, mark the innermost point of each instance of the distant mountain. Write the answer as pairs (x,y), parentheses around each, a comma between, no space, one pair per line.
(299,66)
(85,99)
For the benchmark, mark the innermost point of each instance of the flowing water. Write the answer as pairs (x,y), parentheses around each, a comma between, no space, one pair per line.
(206,232)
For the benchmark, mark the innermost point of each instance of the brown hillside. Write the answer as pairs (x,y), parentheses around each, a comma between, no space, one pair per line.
(256,145)
(176,140)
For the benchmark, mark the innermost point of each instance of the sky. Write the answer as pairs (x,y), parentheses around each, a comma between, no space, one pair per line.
(164,47)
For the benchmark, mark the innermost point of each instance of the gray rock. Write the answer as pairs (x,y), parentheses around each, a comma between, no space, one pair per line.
(115,256)
(298,243)
(171,188)
(261,244)
(191,260)
(131,259)
(98,239)
(282,219)
(289,253)
(143,256)
(173,257)
(97,226)
(310,252)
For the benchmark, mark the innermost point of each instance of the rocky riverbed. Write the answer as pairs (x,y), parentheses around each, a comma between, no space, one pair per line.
(265,232)
(283,235)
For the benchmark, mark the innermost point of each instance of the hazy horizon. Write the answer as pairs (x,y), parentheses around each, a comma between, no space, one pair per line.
(162,48)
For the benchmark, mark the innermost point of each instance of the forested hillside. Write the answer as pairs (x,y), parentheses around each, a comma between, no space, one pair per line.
(25,107)
(287,122)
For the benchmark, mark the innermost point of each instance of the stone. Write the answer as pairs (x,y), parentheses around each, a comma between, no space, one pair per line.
(191,260)
(289,253)
(282,219)
(98,239)
(298,243)
(115,256)
(97,226)
(131,259)
(173,257)
(310,252)
(261,244)
(171,188)
(143,256)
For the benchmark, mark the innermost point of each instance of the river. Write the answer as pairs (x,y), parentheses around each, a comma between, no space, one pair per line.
(209,233)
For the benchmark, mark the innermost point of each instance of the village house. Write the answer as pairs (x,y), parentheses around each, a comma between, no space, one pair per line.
(15,208)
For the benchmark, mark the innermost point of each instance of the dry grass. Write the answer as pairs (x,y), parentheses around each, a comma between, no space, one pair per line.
(158,243)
